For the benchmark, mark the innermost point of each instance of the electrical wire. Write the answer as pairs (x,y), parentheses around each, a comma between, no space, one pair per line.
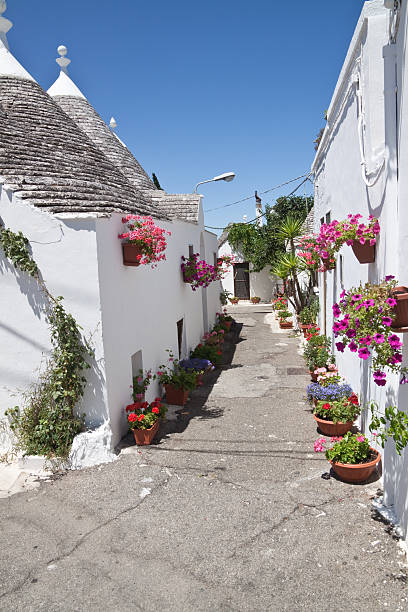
(261,193)
(266,212)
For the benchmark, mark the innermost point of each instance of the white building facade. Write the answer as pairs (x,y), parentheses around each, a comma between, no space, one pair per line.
(360,168)
(66,186)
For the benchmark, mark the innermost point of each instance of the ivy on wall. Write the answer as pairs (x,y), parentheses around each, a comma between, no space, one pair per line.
(46,424)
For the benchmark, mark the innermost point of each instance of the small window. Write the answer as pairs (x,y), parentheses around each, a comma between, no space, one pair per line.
(328,218)
(180,336)
(322,221)
(190,250)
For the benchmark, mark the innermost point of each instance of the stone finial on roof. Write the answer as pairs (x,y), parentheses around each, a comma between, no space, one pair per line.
(5,24)
(62,61)
(64,86)
(113,123)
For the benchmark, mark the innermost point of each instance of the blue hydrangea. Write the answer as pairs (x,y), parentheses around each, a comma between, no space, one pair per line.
(331,393)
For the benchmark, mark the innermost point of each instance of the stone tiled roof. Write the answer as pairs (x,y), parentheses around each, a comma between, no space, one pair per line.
(308,226)
(224,236)
(47,159)
(185,206)
(86,117)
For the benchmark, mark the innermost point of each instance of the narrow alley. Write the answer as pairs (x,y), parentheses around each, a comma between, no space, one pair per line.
(227,510)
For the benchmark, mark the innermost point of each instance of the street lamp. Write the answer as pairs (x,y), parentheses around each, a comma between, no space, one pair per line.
(227,176)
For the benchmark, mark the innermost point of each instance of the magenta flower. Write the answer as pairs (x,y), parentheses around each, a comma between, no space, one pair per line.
(351,333)
(378,338)
(391,302)
(387,321)
(389,277)
(353,346)
(340,346)
(336,311)
(394,341)
(380,378)
(364,353)
(360,438)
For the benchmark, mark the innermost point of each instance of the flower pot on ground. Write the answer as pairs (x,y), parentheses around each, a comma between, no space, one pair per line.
(284,315)
(335,418)
(176,396)
(255,300)
(317,353)
(400,294)
(307,317)
(332,392)
(207,351)
(198,366)
(143,419)
(146,242)
(351,456)
(285,324)
(234,300)
(365,253)
(176,380)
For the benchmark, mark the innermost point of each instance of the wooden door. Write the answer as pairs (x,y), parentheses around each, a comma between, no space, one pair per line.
(241,281)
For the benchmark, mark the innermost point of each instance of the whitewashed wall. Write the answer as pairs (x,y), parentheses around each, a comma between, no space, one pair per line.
(261,284)
(125,309)
(66,255)
(340,189)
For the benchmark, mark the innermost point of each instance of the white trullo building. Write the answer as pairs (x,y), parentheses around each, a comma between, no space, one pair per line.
(66,181)
(360,167)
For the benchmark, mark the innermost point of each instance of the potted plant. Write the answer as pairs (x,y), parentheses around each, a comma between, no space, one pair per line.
(255,299)
(363,320)
(198,366)
(144,419)
(197,272)
(335,418)
(283,322)
(361,237)
(307,317)
(145,241)
(225,320)
(215,337)
(140,384)
(234,300)
(317,353)
(352,457)
(176,381)
(207,351)
(331,392)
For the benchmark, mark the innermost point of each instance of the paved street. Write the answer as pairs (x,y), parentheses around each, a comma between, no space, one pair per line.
(226,511)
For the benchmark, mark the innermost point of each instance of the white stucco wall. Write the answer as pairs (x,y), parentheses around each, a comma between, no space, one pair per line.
(340,189)
(125,309)
(65,252)
(261,284)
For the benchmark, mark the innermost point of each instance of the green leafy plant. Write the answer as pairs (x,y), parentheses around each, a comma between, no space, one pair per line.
(352,449)
(174,374)
(46,423)
(207,351)
(224,296)
(339,411)
(285,314)
(317,352)
(308,315)
(392,423)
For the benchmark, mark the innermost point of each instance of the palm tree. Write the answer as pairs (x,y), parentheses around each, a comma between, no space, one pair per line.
(291,229)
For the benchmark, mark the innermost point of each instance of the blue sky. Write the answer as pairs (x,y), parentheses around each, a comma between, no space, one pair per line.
(202,88)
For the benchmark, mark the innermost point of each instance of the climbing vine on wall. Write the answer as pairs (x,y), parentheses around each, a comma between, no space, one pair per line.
(46,423)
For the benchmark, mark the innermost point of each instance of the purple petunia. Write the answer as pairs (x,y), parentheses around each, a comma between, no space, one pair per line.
(351,333)
(387,321)
(394,341)
(364,353)
(336,310)
(380,378)
(379,338)
(353,347)
(340,346)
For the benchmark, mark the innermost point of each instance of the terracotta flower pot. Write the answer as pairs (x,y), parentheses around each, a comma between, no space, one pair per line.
(329,428)
(177,397)
(365,253)
(401,309)
(255,300)
(234,301)
(285,324)
(145,436)
(131,253)
(356,473)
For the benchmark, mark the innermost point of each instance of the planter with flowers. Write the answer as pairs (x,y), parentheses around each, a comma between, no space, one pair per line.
(145,242)
(140,384)
(317,353)
(361,237)
(197,366)
(176,381)
(198,273)
(284,315)
(144,420)
(216,337)
(335,418)
(352,457)
(225,320)
(255,299)
(307,317)
(363,320)
(207,351)
(400,321)
(234,300)
(330,392)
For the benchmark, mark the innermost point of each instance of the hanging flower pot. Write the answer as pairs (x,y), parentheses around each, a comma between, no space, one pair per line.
(330,428)
(175,396)
(132,254)
(143,437)
(365,253)
(401,309)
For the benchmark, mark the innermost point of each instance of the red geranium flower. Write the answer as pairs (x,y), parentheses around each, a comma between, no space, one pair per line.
(326,406)
(141,417)
(155,410)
